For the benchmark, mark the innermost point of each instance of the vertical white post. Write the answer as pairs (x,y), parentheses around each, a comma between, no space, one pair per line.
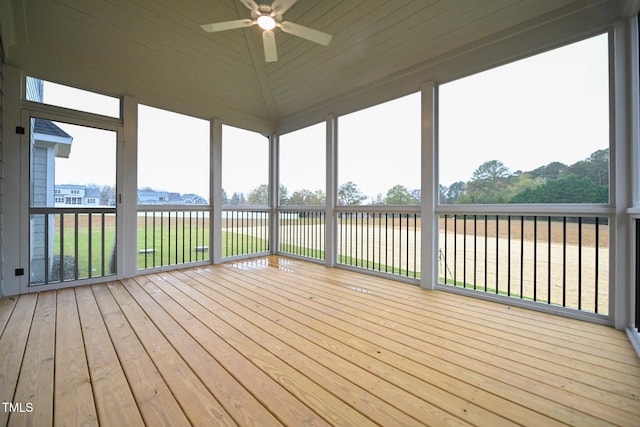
(429,191)
(330,231)
(620,282)
(215,198)
(15,191)
(127,200)
(274,193)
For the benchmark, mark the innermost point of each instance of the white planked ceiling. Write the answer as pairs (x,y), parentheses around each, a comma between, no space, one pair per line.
(155,51)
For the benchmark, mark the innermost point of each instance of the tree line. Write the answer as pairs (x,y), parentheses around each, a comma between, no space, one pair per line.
(586,181)
(349,194)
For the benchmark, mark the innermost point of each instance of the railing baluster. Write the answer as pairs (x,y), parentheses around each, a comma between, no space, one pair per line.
(455,250)
(579,263)
(103,247)
(475,250)
(76,252)
(549,260)
(90,247)
(522,257)
(486,253)
(597,262)
(564,261)
(46,248)
(61,277)
(535,258)
(497,254)
(464,251)
(509,255)
(446,238)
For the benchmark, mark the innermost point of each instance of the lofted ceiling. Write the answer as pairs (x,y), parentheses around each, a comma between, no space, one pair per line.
(155,50)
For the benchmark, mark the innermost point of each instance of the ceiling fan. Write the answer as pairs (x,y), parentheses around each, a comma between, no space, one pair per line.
(268,16)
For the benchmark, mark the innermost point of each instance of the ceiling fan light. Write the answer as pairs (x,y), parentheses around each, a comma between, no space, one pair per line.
(266,22)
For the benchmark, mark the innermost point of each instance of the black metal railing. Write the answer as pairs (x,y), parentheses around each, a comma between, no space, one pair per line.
(245,231)
(558,260)
(301,233)
(71,244)
(385,241)
(172,235)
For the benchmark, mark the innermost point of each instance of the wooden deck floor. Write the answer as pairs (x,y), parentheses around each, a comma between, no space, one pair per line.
(278,341)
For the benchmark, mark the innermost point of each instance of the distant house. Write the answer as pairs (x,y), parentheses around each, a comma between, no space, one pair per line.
(193,199)
(75,195)
(153,197)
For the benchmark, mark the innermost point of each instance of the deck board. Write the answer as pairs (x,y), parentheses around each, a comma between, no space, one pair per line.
(73,394)
(35,384)
(277,341)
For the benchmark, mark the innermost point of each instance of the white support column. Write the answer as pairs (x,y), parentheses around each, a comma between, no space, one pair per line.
(429,190)
(621,189)
(331,231)
(274,193)
(128,191)
(215,198)
(15,187)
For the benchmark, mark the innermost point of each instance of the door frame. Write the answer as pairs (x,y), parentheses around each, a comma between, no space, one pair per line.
(79,118)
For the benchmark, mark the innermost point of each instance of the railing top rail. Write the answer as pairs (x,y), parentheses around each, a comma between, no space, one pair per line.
(174,208)
(634,212)
(380,208)
(299,208)
(245,208)
(559,209)
(82,209)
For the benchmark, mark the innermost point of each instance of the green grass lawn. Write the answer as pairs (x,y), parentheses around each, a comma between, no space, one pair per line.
(160,245)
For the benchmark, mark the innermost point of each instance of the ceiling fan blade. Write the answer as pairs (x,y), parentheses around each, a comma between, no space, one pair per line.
(228,25)
(269,41)
(250,4)
(281,6)
(306,33)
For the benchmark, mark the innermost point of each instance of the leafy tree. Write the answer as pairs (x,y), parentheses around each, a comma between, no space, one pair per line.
(569,189)
(225,198)
(551,171)
(237,199)
(259,195)
(452,193)
(283,195)
(487,184)
(399,195)
(107,192)
(349,194)
(596,167)
(300,198)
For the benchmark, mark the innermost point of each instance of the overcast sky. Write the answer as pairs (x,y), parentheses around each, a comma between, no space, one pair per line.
(550,107)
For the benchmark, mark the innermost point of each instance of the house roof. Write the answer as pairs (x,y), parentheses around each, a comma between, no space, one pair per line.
(157,53)
(47,127)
